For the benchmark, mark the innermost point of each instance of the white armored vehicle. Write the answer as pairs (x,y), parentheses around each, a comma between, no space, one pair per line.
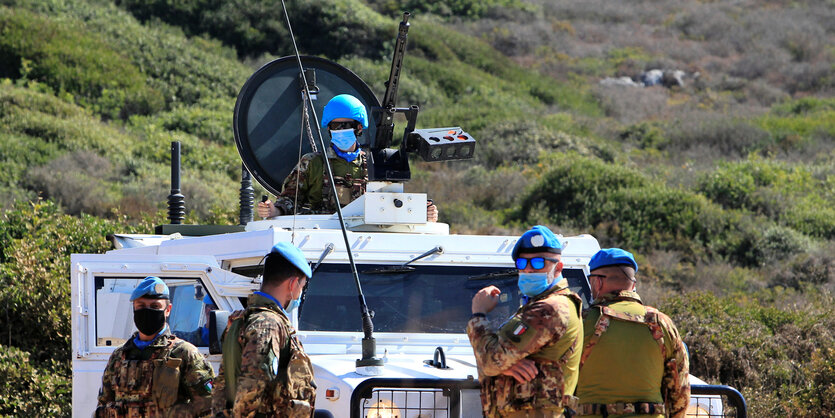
(378,258)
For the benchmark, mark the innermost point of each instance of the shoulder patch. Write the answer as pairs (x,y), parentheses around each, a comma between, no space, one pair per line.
(517,331)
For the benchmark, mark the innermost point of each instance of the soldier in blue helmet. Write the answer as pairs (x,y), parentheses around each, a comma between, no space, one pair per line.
(265,371)
(528,367)
(155,373)
(200,336)
(634,363)
(345,118)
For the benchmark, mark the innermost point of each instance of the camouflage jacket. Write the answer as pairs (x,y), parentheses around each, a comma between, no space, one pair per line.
(547,330)
(310,181)
(168,378)
(632,354)
(276,377)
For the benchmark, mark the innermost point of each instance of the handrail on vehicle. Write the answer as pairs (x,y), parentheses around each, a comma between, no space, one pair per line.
(733,396)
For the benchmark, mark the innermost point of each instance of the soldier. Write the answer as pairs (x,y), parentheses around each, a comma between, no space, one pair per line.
(528,368)
(345,118)
(200,336)
(634,362)
(265,371)
(154,373)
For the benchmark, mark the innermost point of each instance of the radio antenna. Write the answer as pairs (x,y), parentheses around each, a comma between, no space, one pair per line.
(369,364)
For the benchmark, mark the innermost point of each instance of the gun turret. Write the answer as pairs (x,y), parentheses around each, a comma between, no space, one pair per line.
(440,144)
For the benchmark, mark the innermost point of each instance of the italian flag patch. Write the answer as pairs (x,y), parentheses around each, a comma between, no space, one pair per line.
(520,330)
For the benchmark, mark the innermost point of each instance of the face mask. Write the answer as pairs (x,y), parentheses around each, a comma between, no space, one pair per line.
(294,304)
(149,321)
(343,139)
(532,284)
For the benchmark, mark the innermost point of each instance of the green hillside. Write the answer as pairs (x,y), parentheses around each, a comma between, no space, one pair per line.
(724,186)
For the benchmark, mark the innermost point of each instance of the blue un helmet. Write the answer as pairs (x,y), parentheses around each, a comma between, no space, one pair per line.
(345,106)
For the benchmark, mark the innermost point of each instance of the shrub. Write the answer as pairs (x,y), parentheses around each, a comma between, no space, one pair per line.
(728,136)
(69,59)
(761,342)
(334,29)
(522,142)
(26,390)
(572,188)
(82,182)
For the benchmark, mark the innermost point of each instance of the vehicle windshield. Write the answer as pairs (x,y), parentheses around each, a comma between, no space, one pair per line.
(428,299)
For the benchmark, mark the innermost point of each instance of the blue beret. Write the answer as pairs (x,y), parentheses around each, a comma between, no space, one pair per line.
(294,255)
(612,257)
(538,239)
(151,287)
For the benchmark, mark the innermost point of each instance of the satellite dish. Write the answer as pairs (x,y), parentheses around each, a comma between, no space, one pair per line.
(268,114)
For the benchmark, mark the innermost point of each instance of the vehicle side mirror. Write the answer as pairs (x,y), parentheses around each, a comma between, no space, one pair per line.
(217,324)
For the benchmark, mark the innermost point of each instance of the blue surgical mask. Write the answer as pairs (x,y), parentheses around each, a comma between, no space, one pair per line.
(293,304)
(532,284)
(343,139)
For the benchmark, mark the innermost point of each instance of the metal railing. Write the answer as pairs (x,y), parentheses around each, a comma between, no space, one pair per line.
(441,398)
(377,397)
(715,401)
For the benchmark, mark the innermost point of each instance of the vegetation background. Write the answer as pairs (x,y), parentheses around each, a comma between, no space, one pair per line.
(724,187)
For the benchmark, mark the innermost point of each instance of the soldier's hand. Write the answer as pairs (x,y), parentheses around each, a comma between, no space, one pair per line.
(266,209)
(486,299)
(431,212)
(523,371)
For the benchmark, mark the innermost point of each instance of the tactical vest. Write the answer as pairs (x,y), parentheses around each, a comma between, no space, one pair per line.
(637,380)
(350,180)
(295,391)
(145,388)
(502,395)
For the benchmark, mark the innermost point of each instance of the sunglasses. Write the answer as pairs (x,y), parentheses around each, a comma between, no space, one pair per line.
(335,126)
(536,262)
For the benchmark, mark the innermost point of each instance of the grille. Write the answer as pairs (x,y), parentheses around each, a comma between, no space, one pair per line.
(711,407)
(407,403)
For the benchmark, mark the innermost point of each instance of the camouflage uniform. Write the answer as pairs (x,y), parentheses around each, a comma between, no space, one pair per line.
(314,191)
(169,378)
(546,330)
(634,362)
(276,376)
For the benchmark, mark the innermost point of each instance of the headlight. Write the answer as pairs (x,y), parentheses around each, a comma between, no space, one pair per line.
(384,408)
(696,411)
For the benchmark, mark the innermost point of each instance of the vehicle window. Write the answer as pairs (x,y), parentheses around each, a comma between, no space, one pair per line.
(114,311)
(429,299)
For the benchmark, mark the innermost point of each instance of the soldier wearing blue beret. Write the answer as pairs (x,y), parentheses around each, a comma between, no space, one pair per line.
(634,362)
(528,367)
(154,373)
(276,376)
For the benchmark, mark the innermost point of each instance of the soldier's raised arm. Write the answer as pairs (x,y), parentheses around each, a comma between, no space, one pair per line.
(524,334)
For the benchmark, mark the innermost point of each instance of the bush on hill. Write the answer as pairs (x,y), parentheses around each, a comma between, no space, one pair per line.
(254,27)
(71,61)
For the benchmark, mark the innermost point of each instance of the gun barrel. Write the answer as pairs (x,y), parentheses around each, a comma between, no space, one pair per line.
(385,128)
